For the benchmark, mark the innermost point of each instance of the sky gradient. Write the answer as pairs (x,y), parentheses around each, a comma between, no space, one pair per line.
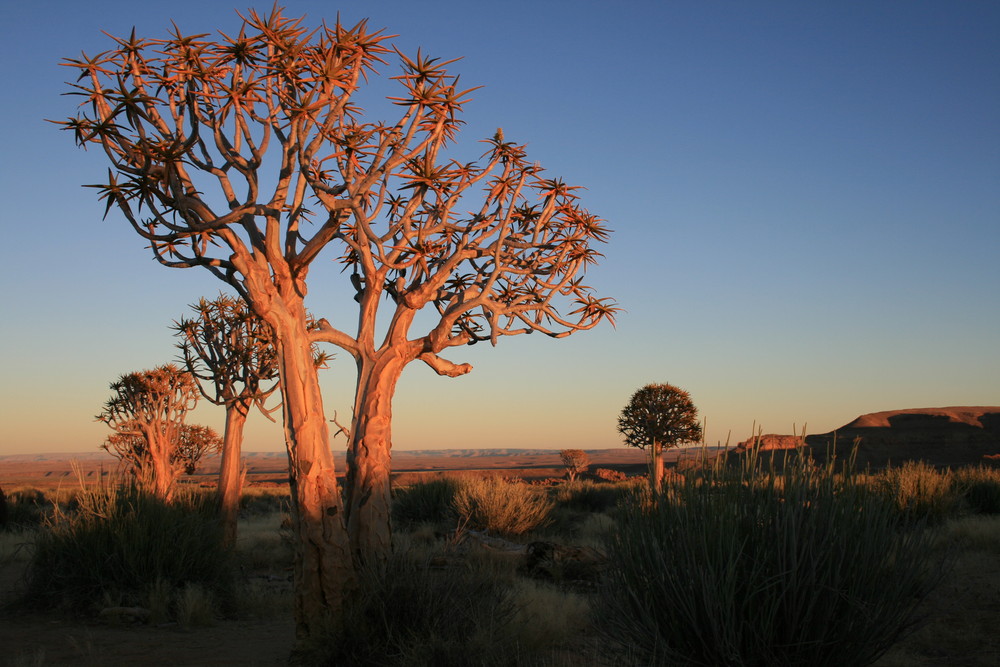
(805,200)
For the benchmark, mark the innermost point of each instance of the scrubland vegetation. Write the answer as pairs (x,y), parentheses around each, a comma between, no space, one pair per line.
(729,565)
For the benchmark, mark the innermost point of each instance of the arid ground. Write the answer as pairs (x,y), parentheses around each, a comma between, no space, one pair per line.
(960,618)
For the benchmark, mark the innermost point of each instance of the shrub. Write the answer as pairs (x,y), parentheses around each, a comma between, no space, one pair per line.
(805,568)
(980,489)
(588,496)
(609,475)
(24,508)
(431,501)
(414,615)
(501,506)
(121,543)
(921,492)
(257,501)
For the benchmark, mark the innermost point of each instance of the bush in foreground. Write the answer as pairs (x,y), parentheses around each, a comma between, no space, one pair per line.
(501,506)
(921,492)
(415,615)
(122,545)
(800,568)
(980,489)
(432,501)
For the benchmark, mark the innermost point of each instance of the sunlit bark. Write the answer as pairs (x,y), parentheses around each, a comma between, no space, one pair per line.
(230,469)
(490,248)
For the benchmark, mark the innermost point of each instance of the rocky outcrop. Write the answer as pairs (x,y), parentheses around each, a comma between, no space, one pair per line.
(771,442)
(953,436)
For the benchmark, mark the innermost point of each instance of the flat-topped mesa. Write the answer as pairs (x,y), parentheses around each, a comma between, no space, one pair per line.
(949,436)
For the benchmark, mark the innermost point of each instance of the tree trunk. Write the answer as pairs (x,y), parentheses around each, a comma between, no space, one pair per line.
(656,475)
(324,568)
(230,474)
(163,472)
(369,502)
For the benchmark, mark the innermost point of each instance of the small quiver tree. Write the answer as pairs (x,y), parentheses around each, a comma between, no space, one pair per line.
(659,416)
(228,350)
(192,444)
(575,461)
(147,411)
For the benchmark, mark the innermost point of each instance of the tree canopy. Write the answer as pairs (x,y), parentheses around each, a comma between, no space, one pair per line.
(659,414)
(146,411)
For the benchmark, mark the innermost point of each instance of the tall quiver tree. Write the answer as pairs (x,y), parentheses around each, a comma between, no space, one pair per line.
(186,123)
(659,416)
(148,407)
(228,351)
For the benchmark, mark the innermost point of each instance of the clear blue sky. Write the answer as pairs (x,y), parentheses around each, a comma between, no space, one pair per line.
(805,199)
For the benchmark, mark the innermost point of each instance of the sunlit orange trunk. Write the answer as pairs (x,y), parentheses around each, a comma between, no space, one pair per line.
(324,567)
(369,502)
(163,472)
(230,474)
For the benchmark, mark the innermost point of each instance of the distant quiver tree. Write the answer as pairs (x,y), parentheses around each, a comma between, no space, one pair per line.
(146,411)
(247,155)
(575,461)
(227,350)
(193,442)
(659,416)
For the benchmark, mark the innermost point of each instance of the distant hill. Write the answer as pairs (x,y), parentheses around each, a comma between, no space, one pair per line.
(952,436)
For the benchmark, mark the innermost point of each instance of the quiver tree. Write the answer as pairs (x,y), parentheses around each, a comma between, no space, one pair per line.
(192,443)
(186,123)
(147,411)
(575,461)
(228,350)
(659,416)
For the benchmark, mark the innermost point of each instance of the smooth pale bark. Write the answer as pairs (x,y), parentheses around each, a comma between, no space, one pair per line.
(324,566)
(656,474)
(324,569)
(369,502)
(163,471)
(230,472)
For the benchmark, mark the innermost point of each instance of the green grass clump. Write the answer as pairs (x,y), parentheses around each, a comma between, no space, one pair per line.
(501,506)
(121,543)
(803,567)
(432,501)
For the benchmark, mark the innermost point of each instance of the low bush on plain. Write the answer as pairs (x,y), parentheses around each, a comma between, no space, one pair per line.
(588,496)
(980,489)
(921,492)
(432,501)
(501,506)
(23,508)
(802,568)
(260,501)
(121,543)
(414,615)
